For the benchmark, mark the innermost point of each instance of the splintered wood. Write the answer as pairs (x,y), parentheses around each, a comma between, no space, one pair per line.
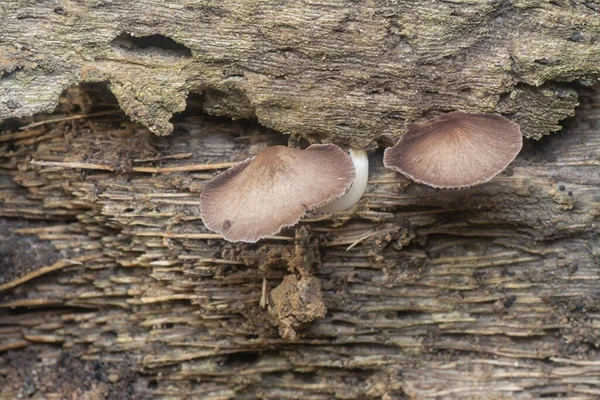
(492,290)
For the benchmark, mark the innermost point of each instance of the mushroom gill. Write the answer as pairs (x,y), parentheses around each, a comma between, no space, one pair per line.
(456,150)
(258,197)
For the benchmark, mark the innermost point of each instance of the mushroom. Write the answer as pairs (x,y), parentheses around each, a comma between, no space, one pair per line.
(352,196)
(257,197)
(456,150)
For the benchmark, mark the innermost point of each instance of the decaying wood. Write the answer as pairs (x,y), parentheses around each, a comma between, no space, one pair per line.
(488,292)
(343,71)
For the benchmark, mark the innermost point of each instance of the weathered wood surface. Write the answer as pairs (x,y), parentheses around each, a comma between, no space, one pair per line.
(344,71)
(489,292)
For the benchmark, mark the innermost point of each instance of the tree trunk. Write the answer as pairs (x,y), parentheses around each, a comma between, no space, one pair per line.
(111,287)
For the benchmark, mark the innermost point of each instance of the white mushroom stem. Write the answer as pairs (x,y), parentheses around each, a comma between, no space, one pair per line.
(356,191)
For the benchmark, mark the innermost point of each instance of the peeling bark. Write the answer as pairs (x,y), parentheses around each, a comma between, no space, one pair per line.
(346,72)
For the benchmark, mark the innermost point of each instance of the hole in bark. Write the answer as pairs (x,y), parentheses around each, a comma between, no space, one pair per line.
(151,44)
(112,335)
(241,131)
(407,314)
(509,301)
(307,377)
(242,358)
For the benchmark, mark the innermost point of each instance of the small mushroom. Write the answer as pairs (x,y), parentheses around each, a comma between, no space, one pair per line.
(258,197)
(456,150)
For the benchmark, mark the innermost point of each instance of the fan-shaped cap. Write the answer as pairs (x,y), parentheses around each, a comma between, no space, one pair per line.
(456,150)
(257,197)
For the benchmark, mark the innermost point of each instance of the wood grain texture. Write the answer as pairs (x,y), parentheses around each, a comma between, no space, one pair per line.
(488,292)
(344,71)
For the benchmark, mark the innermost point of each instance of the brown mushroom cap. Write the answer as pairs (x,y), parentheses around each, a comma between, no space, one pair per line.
(257,197)
(456,150)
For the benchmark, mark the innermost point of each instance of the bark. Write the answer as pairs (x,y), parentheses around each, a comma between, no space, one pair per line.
(346,72)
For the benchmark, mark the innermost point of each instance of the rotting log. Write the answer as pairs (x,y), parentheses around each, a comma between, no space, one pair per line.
(488,292)
(110,287)
(341,71)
